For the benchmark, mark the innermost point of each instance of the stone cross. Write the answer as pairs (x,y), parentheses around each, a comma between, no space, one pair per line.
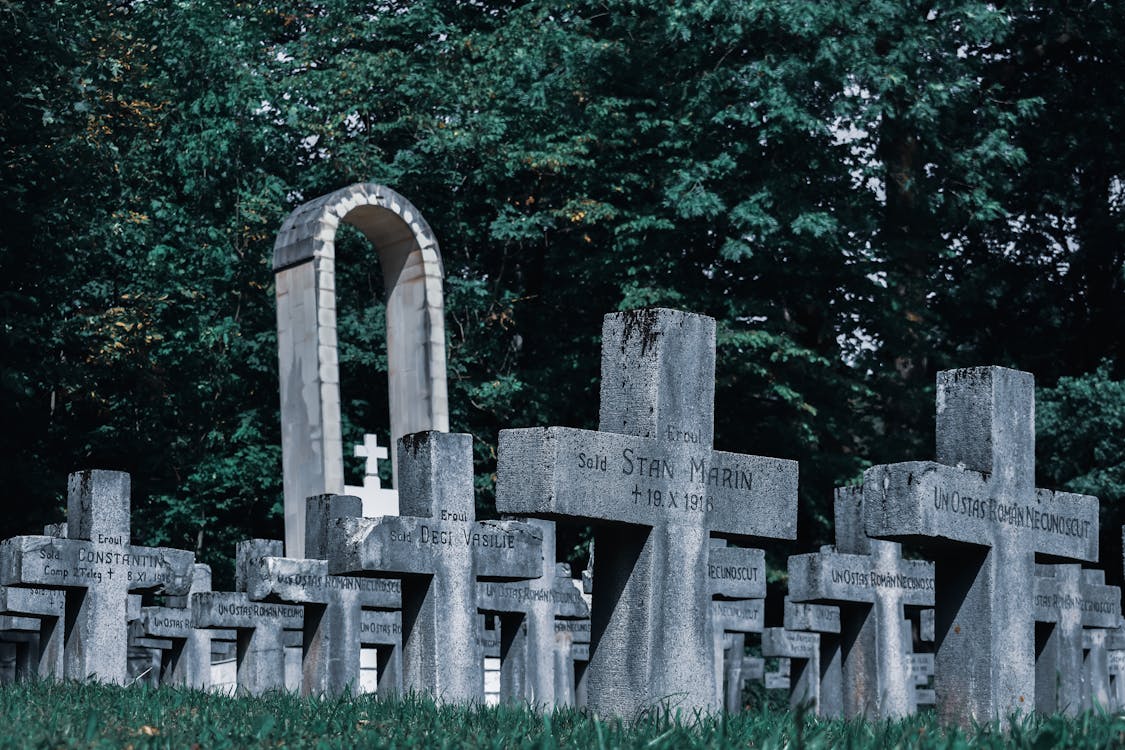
(187,661)
(97,567)
(377,501)
(42,610)
(572,646)
(508,601)
(1067,601)
(803,652)
(260,626)
(1095,669)
(922,669)
(824,620)
(655,490)
(332,604)
(983,521)
(872,583)
(438,551)
(737,579)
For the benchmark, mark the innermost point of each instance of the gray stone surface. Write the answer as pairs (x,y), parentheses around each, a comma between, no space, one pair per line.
(40,610)
(803,652)
(825,620)
(926,626)
(873,585)
(653,487)
(1115,666)
(1067,602)
(260,627)
(331,645)
(186,660)
(978,514)
(737,579)
(305,266)
(439,552)
(382,629)
(97,567)
(1096,687)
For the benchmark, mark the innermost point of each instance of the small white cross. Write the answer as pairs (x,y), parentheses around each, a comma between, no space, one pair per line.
(373,452)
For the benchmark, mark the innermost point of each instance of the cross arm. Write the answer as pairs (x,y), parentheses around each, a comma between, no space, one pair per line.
(166,622)
(788,644)
(746,616)
(926,501)
(380,628)
(32,601)
(840,577)
(308,581)
(737,572)
(581,475)
(225,609)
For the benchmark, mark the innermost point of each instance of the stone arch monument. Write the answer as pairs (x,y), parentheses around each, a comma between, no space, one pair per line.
(305,275)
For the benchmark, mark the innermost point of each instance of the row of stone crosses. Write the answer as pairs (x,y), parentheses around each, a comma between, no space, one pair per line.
(996,617)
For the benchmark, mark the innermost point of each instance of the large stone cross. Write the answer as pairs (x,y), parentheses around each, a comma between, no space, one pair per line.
(438,551)
(97,567)
(655,490)
(332,604)
(983,521)
(873,584)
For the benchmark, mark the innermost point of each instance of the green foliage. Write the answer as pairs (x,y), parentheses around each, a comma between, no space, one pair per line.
(99,716)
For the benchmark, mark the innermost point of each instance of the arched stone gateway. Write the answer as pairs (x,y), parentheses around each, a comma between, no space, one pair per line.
(305,274)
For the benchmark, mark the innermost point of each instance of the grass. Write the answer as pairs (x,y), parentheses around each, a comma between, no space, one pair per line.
(72,715)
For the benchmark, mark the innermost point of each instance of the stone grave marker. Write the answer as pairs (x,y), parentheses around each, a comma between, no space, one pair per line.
(1115,666)
(802,649)
(260,627)
(331,645)
(438,551)
(979,516)
(872,584)
(36,614)
(825,620)
(572,645)
(655,490)
(186,658)
(1095,670)
(1069,601)
(509,602)
(737,579)
(922,669)
(97,567)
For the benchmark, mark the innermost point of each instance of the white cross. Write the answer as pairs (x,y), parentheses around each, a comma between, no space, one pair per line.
(373,452)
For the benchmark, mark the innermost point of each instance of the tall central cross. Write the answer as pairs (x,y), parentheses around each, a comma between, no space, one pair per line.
(873,584)
(978,511)
(655,490)
(439,551)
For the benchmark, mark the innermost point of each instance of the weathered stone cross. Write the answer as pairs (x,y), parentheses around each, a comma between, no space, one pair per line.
(97,567)
(655,490)
(187,661)
(45,609)
(872,583)
(978,512)
(1067,601)
(331,645)
(737,578)
(438,551)
(825,621)
(260,626)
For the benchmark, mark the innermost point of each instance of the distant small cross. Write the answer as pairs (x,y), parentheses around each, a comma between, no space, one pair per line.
(373,452)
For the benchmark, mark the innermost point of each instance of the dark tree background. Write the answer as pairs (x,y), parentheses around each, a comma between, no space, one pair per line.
(861,193)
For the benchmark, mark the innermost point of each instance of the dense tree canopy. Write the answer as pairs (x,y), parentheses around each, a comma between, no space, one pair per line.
(861,193)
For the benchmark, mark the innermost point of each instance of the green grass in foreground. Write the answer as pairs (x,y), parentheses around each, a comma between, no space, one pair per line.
(88,716)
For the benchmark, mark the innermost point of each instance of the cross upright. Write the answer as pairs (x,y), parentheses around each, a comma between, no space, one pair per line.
(655,490)
(331,643)
(260,626)
(977,511)
(438,551)
(187,661)
(873,584)
(97,567)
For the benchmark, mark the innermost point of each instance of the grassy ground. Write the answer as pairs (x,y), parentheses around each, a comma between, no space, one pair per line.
(92,716)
